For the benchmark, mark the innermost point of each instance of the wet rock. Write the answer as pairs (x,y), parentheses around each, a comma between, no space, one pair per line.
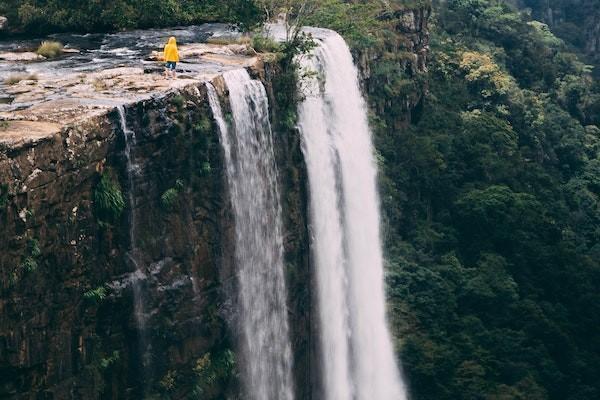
(22,56)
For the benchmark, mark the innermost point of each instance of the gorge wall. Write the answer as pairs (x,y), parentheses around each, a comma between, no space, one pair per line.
(67,324)
(67,320)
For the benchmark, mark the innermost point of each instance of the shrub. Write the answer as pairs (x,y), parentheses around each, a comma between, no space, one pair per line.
(96,295)
(169,197)
(108,199)
(178,101)
(264,44)
(50,49)
(106,362)
(29,264)
(203,126)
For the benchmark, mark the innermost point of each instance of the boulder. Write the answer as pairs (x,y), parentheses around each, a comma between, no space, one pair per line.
(3,21)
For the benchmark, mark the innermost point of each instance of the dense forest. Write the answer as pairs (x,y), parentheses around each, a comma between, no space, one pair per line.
(493,212)
(490,188)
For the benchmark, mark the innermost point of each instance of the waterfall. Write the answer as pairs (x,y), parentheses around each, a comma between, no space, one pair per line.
(138,295)
(252,180)
(357,351)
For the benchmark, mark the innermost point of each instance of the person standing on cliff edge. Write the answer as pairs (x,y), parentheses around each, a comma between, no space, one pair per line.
(171,56)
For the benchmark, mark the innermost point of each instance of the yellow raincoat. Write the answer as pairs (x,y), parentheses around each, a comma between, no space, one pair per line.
(171,54)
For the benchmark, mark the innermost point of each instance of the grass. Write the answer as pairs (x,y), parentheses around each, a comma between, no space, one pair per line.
(108,199)
(50,49)
(264,44)
(14,79)
(225,40)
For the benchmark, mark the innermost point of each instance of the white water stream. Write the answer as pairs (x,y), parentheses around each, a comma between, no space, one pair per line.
(252,181)
(356,346)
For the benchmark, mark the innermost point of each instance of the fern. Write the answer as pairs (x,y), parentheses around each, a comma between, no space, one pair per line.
(108,199)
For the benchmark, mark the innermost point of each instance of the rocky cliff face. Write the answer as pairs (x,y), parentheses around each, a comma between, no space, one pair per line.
(592,35)
(67,326)
(394,72)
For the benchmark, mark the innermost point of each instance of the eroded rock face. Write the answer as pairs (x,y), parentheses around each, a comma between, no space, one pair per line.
(592,42)
(55,340)
(58,338)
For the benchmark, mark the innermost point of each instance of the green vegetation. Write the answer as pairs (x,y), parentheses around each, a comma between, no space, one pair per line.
(573,21)
(108,199)
(108,361)
(212,370)
(167,382)
(30,259)
(263,44)
(178,101)
(96,295)
(491,206)
(170,196)
(43,16)
(50,49)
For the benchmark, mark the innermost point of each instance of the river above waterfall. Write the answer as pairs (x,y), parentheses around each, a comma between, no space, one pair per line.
(104,70)
(98,72)
(98,51)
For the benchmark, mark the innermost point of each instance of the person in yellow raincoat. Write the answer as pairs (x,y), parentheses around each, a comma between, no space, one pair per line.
(171,56)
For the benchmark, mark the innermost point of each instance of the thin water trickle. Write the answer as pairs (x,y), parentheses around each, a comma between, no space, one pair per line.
(252,179)
(357,351)
(139,274)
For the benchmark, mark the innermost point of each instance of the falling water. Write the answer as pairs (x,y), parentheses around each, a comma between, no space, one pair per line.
(131,169)
(358,356)
(252,177)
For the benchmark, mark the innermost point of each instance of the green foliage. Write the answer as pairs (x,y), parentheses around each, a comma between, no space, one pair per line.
(204,126)
(96,295)
(107,362)
(50,49)
(35,16)
(108,199)
(168,381)
(264,44)
(29,264)
(358,22)
(178,101)
(211,370)
(491,208)
(29,261)
(170,196)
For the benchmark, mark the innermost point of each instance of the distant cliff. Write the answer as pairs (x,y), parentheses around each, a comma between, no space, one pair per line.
(575,21)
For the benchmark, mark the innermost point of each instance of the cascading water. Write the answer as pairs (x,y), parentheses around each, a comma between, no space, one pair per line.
(138,295)
(252,178)
(358,356)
